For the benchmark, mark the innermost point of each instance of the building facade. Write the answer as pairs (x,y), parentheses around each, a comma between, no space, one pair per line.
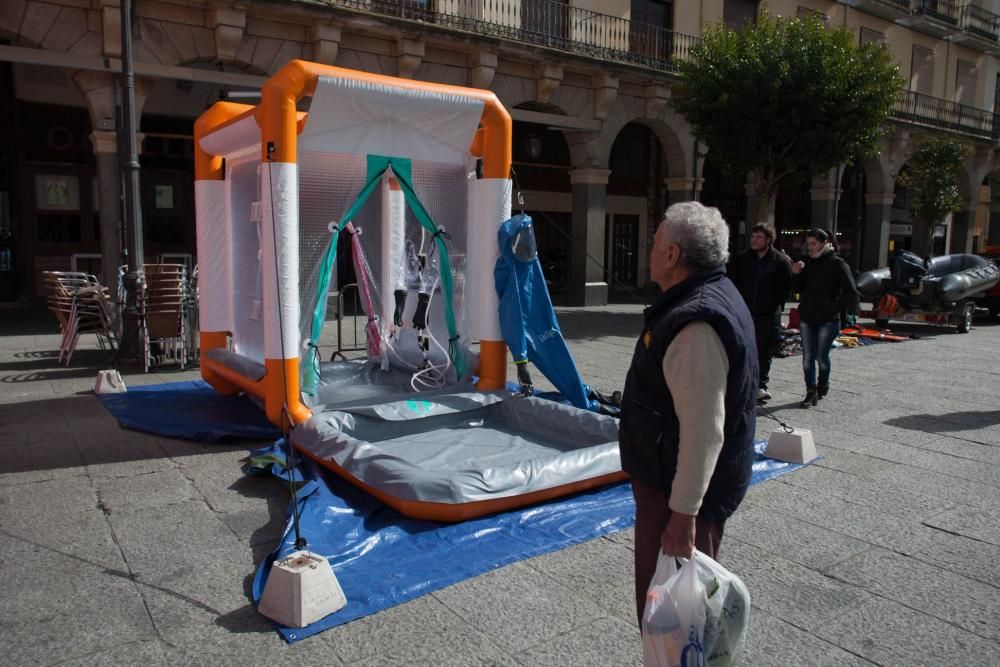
(598,151)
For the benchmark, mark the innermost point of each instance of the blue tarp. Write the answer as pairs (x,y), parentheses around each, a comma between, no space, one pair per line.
(191,410)
(382,558)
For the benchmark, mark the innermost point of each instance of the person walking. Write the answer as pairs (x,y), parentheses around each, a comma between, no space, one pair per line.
(763,276)
(824,283)
(688,411)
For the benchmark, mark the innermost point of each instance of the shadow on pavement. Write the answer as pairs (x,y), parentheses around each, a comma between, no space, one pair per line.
(58,433)
(34,321)
(112,573)
(584,325)
(950,421)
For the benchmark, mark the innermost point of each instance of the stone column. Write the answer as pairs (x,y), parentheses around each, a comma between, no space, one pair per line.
(585,278)
(325,40)
(109,203)
(875,239)
(993,229)
(758,209)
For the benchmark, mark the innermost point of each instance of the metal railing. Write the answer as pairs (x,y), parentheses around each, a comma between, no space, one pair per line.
(922,109)
(942,10)
(978,21)
(354,342)
(545,23)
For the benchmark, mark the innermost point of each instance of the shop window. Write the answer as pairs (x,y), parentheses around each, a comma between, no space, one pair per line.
(804,13)
(869,36)
(738,13)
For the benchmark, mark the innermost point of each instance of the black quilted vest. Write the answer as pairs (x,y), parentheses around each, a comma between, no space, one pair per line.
(649,428)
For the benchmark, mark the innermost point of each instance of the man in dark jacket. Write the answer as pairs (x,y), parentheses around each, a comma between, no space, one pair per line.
(763,275)
(689,408)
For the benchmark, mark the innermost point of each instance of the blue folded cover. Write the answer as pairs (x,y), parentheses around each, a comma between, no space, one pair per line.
(191,410)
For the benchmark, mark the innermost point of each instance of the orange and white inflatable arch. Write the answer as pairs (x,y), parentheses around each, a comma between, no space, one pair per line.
(361,113)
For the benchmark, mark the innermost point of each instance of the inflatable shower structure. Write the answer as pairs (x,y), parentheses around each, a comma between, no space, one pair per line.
(409,181)
(273,184)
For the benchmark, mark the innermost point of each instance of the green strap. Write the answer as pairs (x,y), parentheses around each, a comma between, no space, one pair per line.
(403,169)
(310,370)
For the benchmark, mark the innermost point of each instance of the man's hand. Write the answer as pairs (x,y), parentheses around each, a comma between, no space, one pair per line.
(798,266)
(678,536)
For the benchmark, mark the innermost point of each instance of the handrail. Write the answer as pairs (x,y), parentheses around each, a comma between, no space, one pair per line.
(942,10)
(557,25)
(545,23)
(981,22)
(923,109)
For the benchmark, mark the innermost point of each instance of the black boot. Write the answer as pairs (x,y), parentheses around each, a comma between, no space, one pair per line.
(811,398)
(822,390)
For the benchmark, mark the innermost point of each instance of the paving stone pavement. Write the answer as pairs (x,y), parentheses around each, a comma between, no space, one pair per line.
(121,548)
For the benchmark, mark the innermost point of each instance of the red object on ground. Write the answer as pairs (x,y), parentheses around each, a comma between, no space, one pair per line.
(874,334)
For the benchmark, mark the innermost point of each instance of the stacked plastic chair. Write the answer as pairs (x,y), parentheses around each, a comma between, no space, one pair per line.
(191,321)
(164,302)
(81,305)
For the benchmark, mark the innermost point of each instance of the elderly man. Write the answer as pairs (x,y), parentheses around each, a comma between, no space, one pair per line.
(689,409)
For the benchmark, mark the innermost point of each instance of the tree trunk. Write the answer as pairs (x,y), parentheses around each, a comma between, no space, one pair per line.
(760,203)
(923,237)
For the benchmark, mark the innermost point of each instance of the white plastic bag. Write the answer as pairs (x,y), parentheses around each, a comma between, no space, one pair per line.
(673,623)
(728,612)
(696,615)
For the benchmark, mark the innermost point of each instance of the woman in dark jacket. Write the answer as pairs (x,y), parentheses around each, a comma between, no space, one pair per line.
(824,282)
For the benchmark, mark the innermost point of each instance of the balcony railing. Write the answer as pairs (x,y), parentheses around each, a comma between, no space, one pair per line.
(546,23)
(978,21)
(922,109)
(942,10)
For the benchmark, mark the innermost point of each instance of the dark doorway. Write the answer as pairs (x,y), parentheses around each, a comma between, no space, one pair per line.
(624,250)
(728,194)
(552,239)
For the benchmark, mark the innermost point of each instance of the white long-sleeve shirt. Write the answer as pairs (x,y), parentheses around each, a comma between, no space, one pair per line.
(695,367)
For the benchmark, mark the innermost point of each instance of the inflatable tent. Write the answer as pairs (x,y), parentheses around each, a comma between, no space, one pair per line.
(270,179)
(417,174)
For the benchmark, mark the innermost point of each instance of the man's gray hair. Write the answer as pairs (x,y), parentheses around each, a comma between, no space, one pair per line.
(701,233)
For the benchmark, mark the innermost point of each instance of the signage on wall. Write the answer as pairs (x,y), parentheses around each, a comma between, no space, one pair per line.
(900,229)
(57,193)
(164,196)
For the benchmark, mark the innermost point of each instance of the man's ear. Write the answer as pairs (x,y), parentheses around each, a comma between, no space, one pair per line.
(673,254)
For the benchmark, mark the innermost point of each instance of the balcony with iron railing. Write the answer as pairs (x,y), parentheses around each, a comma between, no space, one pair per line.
(946,11)
(557,25)
(546,23)
(978,28)
(889,10)
(919,109)
(933,17)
